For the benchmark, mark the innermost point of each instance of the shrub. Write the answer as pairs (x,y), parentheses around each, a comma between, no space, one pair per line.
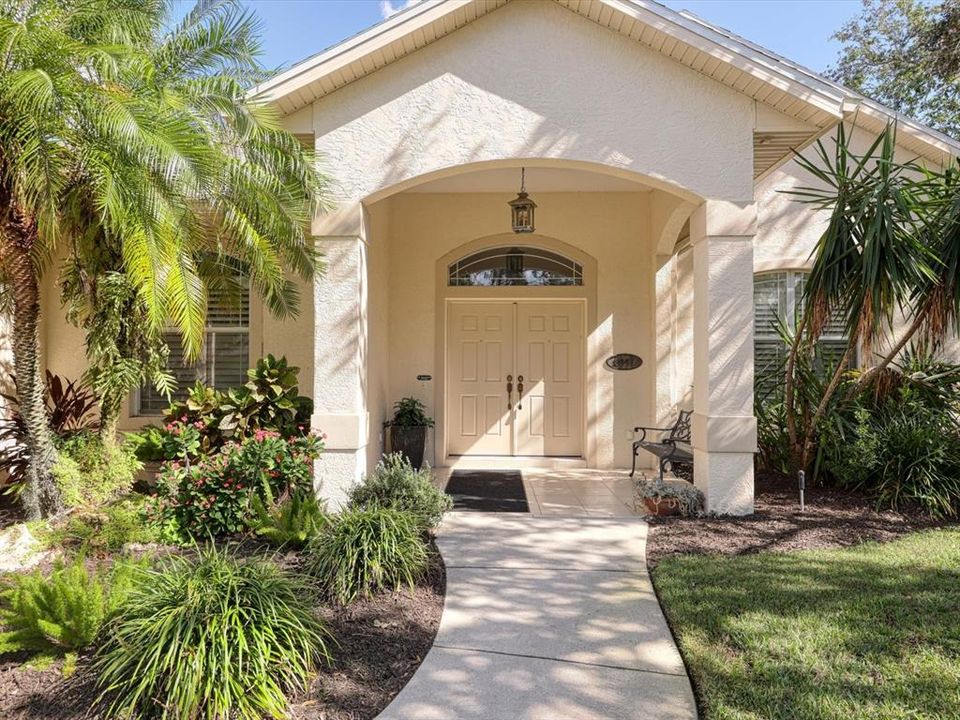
(395,483)
(149,443)
(107,529)
(366,549)
(291,522)
(63,612)
(70,408)
(213,637)
(269,400)
(89,471)
(903,453)
(213,496)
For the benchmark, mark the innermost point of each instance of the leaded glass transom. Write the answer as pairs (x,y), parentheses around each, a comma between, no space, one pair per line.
(515,265)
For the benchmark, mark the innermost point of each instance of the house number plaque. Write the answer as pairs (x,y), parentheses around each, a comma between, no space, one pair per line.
(623,361)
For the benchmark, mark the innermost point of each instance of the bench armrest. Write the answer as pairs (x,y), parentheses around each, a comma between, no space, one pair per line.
(643,431)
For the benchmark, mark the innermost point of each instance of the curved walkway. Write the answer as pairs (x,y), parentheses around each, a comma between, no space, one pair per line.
(547,618)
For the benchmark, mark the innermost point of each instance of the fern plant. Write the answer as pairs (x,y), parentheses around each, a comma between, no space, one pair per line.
(290,523)
(63,612)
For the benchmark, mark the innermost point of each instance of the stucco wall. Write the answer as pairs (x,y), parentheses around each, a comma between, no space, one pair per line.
(492,92)
(612,228)
(379,248)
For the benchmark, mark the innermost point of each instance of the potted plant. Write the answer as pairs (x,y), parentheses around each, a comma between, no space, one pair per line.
(408,429)
(674,497)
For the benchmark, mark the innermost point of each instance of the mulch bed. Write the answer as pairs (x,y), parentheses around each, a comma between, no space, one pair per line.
(381,641)
(832,519)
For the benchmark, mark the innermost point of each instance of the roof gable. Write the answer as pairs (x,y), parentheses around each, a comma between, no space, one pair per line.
(766,77)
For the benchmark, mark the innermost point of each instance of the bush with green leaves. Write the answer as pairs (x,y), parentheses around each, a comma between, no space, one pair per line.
(90,472)
(70,408)
(64,611)
(270,400)
(903,454)
(365,549)
(290,523)
(210,638)
(395,483)
(213,496)
(108,528)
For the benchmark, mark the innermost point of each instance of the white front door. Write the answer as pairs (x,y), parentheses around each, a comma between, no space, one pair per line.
(550,350)
(515,374)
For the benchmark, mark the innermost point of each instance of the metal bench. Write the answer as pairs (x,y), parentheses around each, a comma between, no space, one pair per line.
(672,447)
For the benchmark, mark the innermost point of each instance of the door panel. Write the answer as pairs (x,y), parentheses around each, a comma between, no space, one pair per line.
(480,349)
(489,341)
(550,342)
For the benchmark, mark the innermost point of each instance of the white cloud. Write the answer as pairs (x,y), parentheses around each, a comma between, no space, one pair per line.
(389,8)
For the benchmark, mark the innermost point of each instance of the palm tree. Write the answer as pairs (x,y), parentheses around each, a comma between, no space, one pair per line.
(115,131)
(891,248)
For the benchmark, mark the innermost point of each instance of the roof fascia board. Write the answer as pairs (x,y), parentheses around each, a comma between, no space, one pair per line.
(710,42)
(339,56)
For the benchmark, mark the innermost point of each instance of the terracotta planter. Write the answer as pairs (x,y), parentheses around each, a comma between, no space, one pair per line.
(662,506)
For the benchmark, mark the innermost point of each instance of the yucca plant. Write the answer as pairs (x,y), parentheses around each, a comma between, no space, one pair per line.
(368,549)
(63,612)
(891,248)
(210,638)
(290,523)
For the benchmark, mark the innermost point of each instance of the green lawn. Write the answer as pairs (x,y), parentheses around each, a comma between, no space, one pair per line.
(867,632)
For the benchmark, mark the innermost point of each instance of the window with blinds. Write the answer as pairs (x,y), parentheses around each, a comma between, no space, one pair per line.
(778,302)
(226,350)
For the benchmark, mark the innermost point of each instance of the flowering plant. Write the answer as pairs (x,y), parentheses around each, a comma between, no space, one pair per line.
(213,496)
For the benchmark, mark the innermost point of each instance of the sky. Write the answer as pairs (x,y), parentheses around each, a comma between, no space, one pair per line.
(798,29)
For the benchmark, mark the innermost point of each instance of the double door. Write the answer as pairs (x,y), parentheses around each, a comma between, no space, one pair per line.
(515,374)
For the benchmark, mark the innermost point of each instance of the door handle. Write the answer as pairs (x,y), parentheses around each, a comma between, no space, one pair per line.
(509,391)
(519,392)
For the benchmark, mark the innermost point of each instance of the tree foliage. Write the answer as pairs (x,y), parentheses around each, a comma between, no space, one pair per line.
(906,55)
(886,266)
(120,130)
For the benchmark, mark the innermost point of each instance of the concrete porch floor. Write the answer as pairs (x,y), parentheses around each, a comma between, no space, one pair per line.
(575,492)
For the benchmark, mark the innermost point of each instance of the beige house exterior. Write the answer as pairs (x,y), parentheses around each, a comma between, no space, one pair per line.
(656,148)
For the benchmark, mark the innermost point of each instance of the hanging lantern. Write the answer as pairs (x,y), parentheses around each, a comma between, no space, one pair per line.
(521,208)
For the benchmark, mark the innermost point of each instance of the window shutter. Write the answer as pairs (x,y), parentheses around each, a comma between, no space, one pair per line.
(226,351)
(151,401)
(769,300)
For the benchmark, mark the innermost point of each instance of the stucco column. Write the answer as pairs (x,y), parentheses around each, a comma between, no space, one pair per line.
(340,333)
(724,427)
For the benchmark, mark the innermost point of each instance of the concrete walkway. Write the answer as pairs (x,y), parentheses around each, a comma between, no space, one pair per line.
(547,618)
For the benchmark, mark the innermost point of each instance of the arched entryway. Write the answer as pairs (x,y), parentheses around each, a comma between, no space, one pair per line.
(515,314)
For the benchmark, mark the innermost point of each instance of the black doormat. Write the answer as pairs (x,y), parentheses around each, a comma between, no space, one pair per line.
(488,491)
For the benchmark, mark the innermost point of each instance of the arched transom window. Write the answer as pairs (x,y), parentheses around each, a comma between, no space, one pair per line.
(514,265)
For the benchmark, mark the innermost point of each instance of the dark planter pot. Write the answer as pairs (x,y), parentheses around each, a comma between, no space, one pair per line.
(409,441)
